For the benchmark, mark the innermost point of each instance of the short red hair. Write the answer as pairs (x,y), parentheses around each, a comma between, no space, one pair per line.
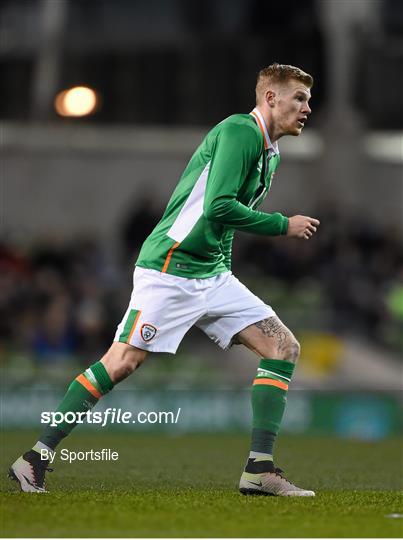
(280,73)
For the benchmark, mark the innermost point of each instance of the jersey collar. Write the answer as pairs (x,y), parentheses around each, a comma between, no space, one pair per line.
(271,147)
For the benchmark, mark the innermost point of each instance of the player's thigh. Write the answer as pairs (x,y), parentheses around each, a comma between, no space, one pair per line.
(270,338)
(231,308)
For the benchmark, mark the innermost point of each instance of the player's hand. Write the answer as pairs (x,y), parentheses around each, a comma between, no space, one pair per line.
(302,227)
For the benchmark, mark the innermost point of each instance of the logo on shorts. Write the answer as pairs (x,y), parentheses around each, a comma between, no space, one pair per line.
(148,331)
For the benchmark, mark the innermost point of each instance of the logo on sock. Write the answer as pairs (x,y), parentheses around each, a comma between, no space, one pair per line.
(148,331)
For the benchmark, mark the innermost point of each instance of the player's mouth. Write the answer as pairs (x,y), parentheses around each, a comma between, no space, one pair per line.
(301,121)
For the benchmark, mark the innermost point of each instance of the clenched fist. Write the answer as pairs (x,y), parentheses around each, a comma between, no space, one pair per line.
(302,226)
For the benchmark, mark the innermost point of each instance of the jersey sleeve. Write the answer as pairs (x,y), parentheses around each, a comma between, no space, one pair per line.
(236,151)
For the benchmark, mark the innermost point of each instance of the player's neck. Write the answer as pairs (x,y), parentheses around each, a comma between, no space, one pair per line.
(274,134)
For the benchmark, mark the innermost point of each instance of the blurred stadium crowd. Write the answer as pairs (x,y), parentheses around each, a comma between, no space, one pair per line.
(61,301)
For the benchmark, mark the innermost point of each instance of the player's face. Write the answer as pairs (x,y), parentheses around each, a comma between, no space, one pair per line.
(291,108)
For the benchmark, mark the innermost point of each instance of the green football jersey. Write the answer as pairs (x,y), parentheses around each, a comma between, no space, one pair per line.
(227,178)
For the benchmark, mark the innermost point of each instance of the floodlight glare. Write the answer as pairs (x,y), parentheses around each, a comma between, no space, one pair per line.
(77,101)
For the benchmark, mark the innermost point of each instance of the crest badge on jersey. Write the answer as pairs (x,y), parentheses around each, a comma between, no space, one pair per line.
(148,332)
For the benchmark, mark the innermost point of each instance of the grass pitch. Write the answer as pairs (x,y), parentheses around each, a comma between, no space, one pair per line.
(187,487)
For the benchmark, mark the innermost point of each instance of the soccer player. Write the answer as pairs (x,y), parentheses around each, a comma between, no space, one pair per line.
(183,278)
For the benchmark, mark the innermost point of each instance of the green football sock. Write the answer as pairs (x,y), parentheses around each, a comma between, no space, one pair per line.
(81,396)
(269,397)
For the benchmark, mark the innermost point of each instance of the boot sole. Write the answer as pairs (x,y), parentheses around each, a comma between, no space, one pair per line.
(247,491)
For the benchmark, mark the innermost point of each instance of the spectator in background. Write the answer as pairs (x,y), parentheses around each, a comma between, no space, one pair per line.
(138,224)
(55,338)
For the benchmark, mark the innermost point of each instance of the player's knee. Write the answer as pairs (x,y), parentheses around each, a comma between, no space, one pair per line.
(287,349)
(291,350)
(122,360)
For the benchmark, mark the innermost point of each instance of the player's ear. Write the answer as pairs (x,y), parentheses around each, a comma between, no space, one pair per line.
(270,97)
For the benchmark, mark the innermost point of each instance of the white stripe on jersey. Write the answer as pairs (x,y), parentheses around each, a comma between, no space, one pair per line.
(191,210)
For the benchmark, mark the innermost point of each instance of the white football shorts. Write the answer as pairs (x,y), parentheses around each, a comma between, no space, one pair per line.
(163,307)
